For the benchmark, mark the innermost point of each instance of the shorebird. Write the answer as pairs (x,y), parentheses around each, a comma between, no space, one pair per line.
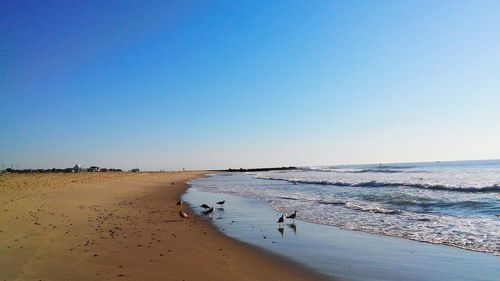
(281,220)
(183,214)
(205,206)
(180,202)
(209,211)
(221,203)
(292,216)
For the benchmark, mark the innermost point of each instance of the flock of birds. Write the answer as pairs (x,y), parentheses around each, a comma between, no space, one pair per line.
(281,220)
(209,210)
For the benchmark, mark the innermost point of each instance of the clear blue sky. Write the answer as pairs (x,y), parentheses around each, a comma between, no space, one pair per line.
(218,84)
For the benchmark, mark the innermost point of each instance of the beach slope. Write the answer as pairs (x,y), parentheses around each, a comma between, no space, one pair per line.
(119,226)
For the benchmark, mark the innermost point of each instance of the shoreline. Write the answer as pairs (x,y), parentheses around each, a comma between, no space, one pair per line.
(344,254)
(121,226)
(282,263)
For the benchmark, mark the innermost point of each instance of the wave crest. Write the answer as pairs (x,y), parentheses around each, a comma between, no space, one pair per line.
(374,183)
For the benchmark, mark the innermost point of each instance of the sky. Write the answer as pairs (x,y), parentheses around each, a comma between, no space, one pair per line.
(220,84)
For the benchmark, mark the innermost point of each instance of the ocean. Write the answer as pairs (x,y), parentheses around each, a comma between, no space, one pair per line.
(451,203)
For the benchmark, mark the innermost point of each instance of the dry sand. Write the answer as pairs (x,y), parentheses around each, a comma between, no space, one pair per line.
(119,226)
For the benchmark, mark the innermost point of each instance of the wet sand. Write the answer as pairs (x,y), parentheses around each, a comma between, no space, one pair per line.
(119,226)
(343,254)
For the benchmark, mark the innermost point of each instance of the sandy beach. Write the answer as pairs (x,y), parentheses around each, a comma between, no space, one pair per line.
(119,226)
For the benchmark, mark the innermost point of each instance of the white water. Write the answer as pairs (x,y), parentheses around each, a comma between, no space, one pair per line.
(453,203)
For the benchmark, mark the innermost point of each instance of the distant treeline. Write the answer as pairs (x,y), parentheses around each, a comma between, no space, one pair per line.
(54,170)
(262,169)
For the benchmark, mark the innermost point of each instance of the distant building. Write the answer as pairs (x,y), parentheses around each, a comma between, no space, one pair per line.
(93,169)
(77,168)
(136,170)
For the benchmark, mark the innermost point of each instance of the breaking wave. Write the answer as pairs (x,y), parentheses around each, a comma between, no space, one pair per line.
(456,204)
(492,188)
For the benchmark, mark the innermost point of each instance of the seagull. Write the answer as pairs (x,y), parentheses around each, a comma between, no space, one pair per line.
(205,206)
(292,216)
(209,211)
(180,202)
(221,202)
(183,214)
(281,219)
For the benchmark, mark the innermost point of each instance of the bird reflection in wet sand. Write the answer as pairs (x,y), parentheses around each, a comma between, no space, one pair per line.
(293,226)
(281,230)
(220,211)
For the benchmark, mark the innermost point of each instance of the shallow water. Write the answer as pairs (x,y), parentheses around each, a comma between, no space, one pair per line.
(342,254)
(451,203)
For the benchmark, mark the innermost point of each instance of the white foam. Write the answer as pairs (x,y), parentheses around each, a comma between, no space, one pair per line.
(468,220)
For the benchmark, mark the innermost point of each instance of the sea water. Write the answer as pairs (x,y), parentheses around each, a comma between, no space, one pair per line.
(451,203)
